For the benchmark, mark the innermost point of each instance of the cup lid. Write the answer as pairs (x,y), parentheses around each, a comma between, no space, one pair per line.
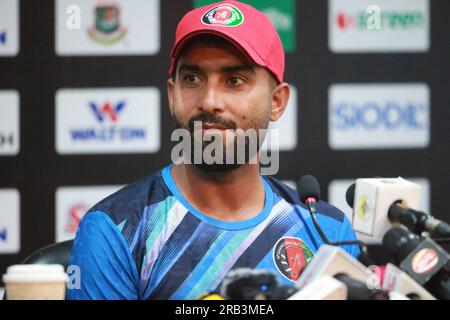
(35,273)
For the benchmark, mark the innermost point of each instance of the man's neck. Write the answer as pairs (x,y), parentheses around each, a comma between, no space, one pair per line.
(235,195)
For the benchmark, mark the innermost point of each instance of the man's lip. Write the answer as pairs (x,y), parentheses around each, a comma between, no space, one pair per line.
(207,126)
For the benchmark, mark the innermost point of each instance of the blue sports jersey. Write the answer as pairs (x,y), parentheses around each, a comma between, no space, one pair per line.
(147,242)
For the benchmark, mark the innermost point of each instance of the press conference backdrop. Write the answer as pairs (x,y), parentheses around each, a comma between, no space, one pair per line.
(83,108)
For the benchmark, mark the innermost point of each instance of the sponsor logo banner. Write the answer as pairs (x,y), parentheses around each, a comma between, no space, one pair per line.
(72,203)
(120,120)
(381,26)
(9,221)
(9,122)
(378,116)
(120,27)
(9,27)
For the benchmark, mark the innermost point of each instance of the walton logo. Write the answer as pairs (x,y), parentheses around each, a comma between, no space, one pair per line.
(394,20)
(3,37)
(107,110)
(109,130)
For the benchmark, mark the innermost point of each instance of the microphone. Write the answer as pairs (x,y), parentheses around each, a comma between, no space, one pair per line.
(398,212)
(423,259)
(358,290)
(331,260)
(323,288)
(309,192)
(418,221)
(336,262)
(249,284)
(372,198)
(350,195)
(398,281)
(395,295)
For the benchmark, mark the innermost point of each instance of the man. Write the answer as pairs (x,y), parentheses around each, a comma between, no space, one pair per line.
(177,233)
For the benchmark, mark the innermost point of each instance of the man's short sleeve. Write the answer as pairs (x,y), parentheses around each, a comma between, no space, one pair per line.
(107,269)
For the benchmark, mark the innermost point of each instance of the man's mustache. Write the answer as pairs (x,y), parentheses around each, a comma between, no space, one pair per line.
(211,118)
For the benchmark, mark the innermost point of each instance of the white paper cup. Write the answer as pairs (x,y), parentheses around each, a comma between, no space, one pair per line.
(35,282)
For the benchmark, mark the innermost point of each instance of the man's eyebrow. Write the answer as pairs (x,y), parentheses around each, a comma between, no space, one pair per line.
(190,67)
(237,68)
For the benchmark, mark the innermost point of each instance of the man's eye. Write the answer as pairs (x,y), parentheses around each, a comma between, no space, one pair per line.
(191,78)
(235,81)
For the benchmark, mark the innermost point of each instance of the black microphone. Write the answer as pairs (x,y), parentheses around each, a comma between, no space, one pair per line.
(414,220)
(350,195)
(358,290)
(419,221)
(400,243)
(309,192)
(249,284)
(309,189)
(422,258)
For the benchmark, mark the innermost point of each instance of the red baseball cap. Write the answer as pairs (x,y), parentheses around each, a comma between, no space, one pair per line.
(247,28)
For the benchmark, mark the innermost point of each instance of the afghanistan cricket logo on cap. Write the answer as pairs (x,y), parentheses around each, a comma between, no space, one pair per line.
(291,256)
(225,15)
(107,29)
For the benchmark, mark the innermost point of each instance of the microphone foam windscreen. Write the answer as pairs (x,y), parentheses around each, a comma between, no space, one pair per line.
(308,186)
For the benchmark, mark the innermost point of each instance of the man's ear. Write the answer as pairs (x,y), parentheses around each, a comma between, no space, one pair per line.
(280,98)
(170,93)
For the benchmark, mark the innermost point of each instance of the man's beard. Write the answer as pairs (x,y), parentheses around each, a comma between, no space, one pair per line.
(238,159)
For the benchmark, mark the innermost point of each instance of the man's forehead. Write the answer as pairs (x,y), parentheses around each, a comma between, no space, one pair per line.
(192,56)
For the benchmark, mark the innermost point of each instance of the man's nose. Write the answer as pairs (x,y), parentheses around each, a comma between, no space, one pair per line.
(212,100)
